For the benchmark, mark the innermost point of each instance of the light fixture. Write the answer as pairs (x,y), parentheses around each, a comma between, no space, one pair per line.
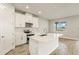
(27,7)
(39,12)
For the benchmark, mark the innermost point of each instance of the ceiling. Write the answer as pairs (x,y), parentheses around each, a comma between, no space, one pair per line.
(50,10)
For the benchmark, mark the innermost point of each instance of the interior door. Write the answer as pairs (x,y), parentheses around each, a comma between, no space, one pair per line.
(6,29)
(3,33)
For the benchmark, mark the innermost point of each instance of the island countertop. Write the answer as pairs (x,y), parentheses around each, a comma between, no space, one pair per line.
(46,38)
(39,45)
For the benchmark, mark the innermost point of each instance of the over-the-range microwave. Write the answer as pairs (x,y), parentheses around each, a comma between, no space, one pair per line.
(28,25)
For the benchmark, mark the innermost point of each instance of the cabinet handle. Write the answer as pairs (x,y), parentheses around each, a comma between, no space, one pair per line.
(2,36)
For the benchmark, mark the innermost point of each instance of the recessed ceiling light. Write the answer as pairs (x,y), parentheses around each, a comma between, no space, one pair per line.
(2,7)
(55,7)
(39,12)
(27,7)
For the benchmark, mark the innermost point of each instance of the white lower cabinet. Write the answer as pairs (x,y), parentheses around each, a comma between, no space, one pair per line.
(20,37)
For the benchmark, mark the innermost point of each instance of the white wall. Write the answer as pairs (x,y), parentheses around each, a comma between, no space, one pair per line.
(72,30)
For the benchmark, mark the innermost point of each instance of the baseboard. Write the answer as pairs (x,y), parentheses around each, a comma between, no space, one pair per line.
(20,44)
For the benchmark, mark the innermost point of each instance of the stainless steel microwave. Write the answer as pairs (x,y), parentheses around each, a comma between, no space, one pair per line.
(28,25)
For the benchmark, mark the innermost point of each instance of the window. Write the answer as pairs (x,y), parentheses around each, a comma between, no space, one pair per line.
(60,25)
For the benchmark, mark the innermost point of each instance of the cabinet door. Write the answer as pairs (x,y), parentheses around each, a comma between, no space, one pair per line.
(28,18)
(20,37)
(35,21)
(20,20)
(17,20)
(24,38)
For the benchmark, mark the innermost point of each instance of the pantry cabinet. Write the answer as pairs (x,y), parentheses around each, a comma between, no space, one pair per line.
(7,30)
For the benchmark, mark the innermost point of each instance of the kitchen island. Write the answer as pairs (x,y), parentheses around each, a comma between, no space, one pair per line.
(43,45)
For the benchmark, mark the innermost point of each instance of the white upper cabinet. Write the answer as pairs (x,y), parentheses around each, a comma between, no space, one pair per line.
(28,18)
(20,20)
(35,21)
